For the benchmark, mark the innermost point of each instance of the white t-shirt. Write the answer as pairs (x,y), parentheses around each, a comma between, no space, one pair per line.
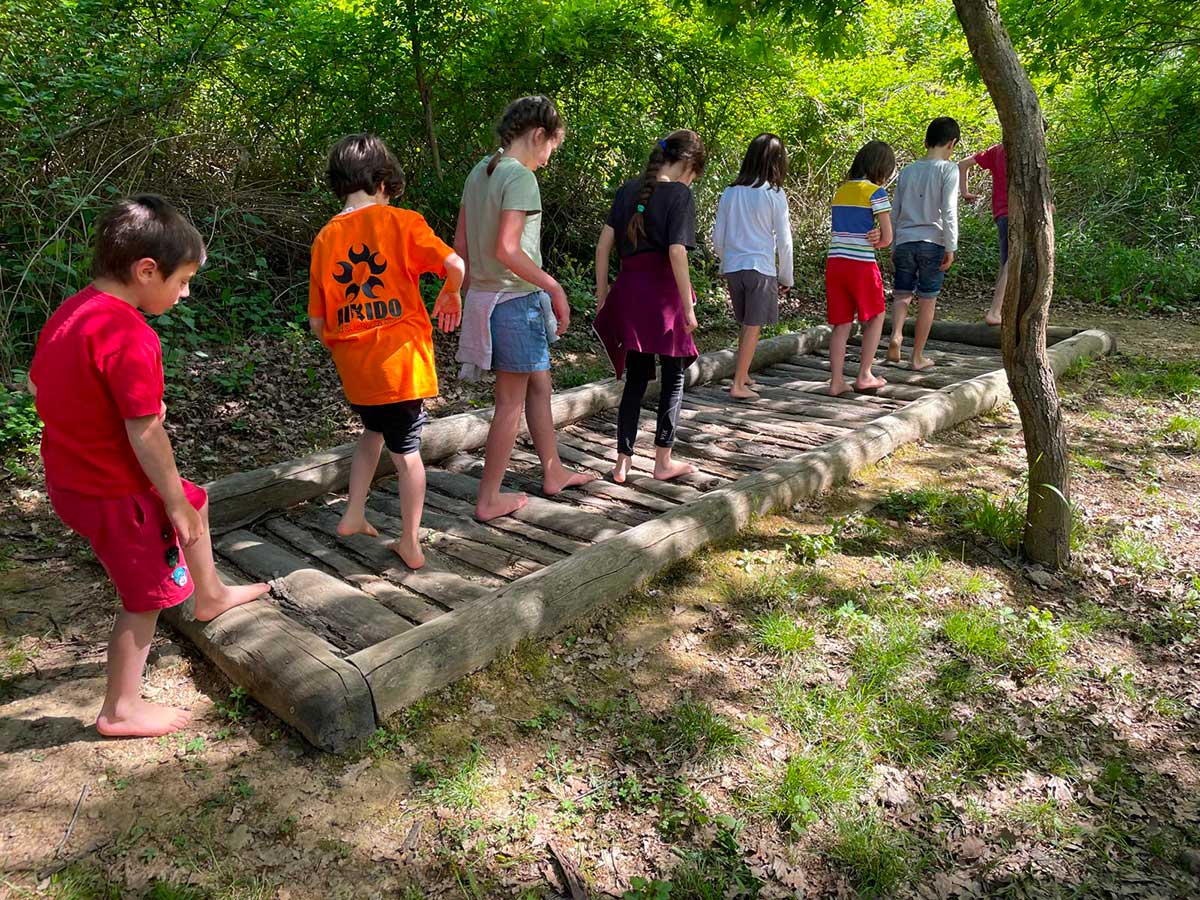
(753,230)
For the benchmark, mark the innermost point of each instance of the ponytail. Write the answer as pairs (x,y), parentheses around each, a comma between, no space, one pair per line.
(678,146)
(522,115)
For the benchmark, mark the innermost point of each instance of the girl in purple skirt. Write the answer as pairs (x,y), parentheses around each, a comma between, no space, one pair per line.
(649,310)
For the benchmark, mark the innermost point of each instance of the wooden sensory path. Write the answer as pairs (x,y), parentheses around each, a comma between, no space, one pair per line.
(349,635)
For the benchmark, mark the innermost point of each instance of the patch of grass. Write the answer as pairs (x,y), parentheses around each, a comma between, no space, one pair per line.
(977,633)
(873,854)
(806,549)
(461,787)
(813,783)
(757,592)
(690,730)
(1144,376)
(858,533)
(575,374)
(781,632)
(1184,430)
(987,750)
(1133,550)
(885,651)
(1000,520)
(931,505)
(911,729)
(915,570)
(824,713)
(971,583)
(1048,818)
(1002,640)
(1088,462)
(77,883)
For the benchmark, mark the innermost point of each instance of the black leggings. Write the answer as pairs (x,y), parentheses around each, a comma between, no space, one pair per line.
(639,372)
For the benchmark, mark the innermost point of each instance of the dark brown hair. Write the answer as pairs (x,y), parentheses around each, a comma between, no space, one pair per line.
(362,162)
(876,162)
(522,115)
(140,227)
(942,131)
(678,146)
(765,162)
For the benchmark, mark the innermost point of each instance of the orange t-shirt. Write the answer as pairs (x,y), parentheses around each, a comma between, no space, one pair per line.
(363,281)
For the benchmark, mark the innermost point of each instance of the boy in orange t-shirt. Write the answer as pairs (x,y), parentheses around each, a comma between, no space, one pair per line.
(365,306)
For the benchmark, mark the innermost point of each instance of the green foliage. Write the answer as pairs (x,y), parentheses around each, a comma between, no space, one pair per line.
(20,427)
(1003,640)
(689,730)
(873,854)
(1184,430)
(781,632)
(1134,550)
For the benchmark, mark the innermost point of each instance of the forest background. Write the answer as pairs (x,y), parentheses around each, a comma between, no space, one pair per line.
(229,107)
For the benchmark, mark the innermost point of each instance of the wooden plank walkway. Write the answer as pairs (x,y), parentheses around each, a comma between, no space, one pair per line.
(485,585)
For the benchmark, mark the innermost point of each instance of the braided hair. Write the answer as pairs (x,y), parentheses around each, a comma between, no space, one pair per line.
(522,115)
(678,146)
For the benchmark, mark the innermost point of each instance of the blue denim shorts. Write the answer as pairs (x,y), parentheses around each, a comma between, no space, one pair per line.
(519,335)
(917,269)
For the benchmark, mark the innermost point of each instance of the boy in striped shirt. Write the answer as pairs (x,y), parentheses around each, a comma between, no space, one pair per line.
(853,285)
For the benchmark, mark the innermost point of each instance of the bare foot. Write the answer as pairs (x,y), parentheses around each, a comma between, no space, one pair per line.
(870,383)
(503,505)
(355,525)
(556,482)
(837,388)
(230,596)
(672,469)
(141,718)
(743,393)
(923,363)
(994,321)
(409,552)
(893,352)
(621,470)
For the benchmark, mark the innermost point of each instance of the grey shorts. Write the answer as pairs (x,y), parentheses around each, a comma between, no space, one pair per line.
(755,297)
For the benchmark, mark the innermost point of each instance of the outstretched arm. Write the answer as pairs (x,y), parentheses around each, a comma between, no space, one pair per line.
(964,167)
(447,309)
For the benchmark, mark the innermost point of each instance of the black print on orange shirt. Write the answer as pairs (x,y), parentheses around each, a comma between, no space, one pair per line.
(359,278)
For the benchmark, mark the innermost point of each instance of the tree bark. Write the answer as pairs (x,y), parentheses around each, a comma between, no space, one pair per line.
(1047,538)
(423,88)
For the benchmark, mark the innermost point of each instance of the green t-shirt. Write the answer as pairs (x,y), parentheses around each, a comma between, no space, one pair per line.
(510,186)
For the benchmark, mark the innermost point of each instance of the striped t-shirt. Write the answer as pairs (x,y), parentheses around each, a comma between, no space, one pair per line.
(855,206)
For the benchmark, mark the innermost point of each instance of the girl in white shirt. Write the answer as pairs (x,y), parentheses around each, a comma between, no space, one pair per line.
(752,231)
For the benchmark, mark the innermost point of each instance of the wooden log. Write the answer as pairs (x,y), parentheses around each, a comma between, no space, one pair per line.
(799,413)
(598,488)
(581,452)
(816,381)
(544,514)
(601,435)
(326,604)
(798,438)
(405,603)
(245,496)
(286,668)
(533,534)
(805,404)
(404,668)
(438,580)
(977,333)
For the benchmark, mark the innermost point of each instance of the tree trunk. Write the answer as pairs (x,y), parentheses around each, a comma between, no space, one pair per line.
(1030,282)
(423,89)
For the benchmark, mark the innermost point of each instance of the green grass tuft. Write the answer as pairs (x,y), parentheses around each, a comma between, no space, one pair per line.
(780,632)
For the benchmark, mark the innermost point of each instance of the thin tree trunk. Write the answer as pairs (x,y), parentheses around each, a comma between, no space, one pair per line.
(423,89)
(1030,281)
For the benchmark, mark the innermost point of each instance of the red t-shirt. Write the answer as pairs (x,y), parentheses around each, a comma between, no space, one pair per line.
(97,363)
(994,160)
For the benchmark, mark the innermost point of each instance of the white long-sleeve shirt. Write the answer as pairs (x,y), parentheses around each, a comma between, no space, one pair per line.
(753,230)
(925,204)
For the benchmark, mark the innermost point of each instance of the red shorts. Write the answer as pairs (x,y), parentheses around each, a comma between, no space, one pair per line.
(852,286)
(135,542)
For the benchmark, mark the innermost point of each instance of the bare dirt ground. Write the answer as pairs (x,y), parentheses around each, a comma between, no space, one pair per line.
(868,694)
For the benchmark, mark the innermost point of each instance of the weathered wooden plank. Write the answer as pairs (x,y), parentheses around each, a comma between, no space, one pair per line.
(797,412)
(578,450)
(533,534)
(930,378)
(601,434)
(803,436)
(242,497)
(804,404)
(405,603)
(285,667)
(486,558)
(707,468)
(816,381)
(437,581)
(531,485)
(977,333)
(537,511)
(465,526)
(601,488)
(406,667)
(352,619)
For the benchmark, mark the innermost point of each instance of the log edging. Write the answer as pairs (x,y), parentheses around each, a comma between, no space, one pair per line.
(407,666)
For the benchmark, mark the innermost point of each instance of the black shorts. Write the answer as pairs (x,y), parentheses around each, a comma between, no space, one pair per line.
(399,423)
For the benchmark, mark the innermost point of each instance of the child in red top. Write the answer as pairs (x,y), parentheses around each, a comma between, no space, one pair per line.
(992,160)
(365,306)
(110,473)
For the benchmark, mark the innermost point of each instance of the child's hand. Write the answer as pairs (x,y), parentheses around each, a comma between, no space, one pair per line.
(874,237)
(162,411)
(947,260)
(783,290)
(689,321)
(187,521)
(561,308)
(447,309)
(970,198)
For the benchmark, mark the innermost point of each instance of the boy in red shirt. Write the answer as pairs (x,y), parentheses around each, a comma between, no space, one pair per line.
(365,305)
(992,160)
(110,473)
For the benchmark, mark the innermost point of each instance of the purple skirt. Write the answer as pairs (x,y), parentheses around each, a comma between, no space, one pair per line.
(643,312)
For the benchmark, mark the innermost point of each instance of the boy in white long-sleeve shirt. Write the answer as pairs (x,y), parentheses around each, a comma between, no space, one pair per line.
(925,213)
(752,230)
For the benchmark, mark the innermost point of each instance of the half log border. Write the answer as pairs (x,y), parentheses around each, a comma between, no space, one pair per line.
(336,700)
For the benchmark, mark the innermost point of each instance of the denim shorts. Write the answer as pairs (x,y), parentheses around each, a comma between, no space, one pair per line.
(917,269)
(1002,233)
(519,335)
